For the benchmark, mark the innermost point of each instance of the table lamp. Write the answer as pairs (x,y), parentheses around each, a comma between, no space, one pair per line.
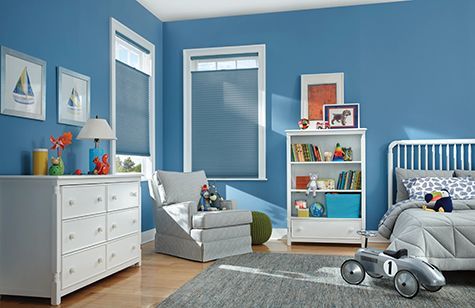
(96,129)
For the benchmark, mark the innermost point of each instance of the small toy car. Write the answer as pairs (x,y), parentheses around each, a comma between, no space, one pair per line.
(408,272)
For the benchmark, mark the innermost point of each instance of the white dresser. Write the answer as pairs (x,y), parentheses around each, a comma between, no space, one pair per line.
(59,234)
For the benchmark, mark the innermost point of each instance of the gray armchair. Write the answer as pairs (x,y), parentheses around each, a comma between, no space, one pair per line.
(185,232)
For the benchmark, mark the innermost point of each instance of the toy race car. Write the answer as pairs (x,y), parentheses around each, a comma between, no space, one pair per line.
(408,272)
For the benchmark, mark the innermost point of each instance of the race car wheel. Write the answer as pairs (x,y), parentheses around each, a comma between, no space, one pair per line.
(375,276)
(406,284)
(352,272)
(432,289)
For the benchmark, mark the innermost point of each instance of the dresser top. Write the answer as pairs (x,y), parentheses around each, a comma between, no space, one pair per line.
(74,178)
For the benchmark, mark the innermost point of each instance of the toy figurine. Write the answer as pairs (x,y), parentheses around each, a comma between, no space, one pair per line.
(347,154)
(312,186)
(102,167)
(77,172)
(338,154)
(440,201)
(328,156)
(304,123)
(57,164)
(407,272)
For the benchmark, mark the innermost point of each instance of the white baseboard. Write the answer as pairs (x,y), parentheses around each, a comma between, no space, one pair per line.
(148,236)
(281,233)
(278,234)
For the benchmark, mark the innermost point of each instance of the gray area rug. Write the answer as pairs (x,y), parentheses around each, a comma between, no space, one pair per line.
(290,280)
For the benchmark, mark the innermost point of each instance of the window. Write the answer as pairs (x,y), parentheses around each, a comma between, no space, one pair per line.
(132,101)
(224,112)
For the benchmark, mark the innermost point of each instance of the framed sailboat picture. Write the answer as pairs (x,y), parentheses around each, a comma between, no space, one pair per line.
(22,85)
(73,97)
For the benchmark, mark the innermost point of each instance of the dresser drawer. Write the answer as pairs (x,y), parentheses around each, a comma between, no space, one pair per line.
(326,230)
(81,266)
(83,200)
(122,250)
(122,223)
(124,195)
(83,232)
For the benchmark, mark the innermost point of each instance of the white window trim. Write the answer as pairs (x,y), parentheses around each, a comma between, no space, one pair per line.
(187,126)
(116,26)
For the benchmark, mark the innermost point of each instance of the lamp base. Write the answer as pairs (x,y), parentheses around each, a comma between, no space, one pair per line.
(93,153)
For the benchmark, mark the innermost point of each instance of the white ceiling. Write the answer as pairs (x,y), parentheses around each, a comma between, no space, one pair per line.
(172,10)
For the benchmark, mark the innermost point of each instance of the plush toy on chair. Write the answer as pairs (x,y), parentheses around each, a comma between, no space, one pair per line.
(441,200)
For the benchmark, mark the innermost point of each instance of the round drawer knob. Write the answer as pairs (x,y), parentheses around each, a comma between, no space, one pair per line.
(99,260)
(114,198)
(134,221)
(112,255)
(71,236)
(114,226)
(71,271)
(99,229)
(99,199)
(298,229)
(133,247)
(71,202)
(133,194)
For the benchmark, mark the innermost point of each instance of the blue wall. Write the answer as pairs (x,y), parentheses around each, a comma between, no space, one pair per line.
(74,35)
(411,65)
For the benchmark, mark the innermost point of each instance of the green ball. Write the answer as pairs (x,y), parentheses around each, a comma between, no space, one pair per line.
(261,228)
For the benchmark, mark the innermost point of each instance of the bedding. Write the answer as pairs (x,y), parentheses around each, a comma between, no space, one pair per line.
(402,174)
(465,174)
(446,240)
(458,188)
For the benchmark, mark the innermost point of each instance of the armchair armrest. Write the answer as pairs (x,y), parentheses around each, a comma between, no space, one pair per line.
(182,213)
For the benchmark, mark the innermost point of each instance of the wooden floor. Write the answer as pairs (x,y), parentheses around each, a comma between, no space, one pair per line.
(158,277)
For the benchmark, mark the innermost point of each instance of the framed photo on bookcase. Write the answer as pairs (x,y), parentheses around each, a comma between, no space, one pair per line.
(318,90)
(342,116)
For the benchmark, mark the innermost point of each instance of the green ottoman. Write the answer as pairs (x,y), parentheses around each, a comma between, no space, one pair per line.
(261,228)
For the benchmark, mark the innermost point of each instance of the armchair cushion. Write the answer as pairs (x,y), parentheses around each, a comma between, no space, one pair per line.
(208,220)
(181,187)
(219,234)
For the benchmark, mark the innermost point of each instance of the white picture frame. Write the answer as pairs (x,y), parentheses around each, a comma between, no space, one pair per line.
(315,84)
(22,85)
(74,97)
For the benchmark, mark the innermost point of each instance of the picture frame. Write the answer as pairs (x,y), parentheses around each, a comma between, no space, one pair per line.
(318,90)
(342,116)
(74,97)
(22,85)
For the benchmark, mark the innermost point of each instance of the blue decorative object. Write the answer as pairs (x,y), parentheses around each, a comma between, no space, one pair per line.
(343,205)
(317,209)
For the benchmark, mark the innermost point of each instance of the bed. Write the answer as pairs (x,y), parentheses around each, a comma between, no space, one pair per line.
(446,240)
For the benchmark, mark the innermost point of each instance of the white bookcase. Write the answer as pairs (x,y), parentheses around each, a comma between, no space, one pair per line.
(323,229)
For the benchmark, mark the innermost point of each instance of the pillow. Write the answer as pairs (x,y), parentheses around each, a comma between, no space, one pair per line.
(182,187)
(459,188)
(465,174)
(402,174)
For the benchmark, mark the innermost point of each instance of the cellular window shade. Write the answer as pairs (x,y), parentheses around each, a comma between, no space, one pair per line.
(132,111)
(225,123)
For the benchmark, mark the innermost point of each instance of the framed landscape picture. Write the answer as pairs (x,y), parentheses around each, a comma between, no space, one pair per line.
(73,97)
(22,85)
(342,116)
(318,90)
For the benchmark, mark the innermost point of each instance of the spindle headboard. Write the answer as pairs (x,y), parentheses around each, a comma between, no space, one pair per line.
(443,154)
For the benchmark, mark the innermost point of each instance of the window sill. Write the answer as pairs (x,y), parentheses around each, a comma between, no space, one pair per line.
(238,179)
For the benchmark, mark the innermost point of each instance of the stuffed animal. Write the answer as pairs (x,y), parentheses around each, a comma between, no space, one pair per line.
(441,201)
(102,167)
(215,197)
(312,185)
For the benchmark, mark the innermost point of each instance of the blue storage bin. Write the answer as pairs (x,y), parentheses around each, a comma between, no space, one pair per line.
(343,205)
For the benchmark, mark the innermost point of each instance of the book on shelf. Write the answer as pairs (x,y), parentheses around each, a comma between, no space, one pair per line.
(349,180)
(305,153)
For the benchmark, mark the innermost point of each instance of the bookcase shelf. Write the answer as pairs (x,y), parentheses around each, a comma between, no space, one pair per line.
(353,162)
(324,229)
(328,191)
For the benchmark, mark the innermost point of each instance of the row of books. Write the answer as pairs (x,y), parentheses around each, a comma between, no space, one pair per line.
(349,180)
(306,152)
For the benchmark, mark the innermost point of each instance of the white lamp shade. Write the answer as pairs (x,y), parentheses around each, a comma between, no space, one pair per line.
(97,129)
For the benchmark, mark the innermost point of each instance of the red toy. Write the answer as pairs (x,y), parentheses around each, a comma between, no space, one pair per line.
(102,167)
(78,172)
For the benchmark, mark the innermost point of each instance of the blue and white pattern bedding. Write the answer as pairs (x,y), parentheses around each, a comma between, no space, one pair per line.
(459,188)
